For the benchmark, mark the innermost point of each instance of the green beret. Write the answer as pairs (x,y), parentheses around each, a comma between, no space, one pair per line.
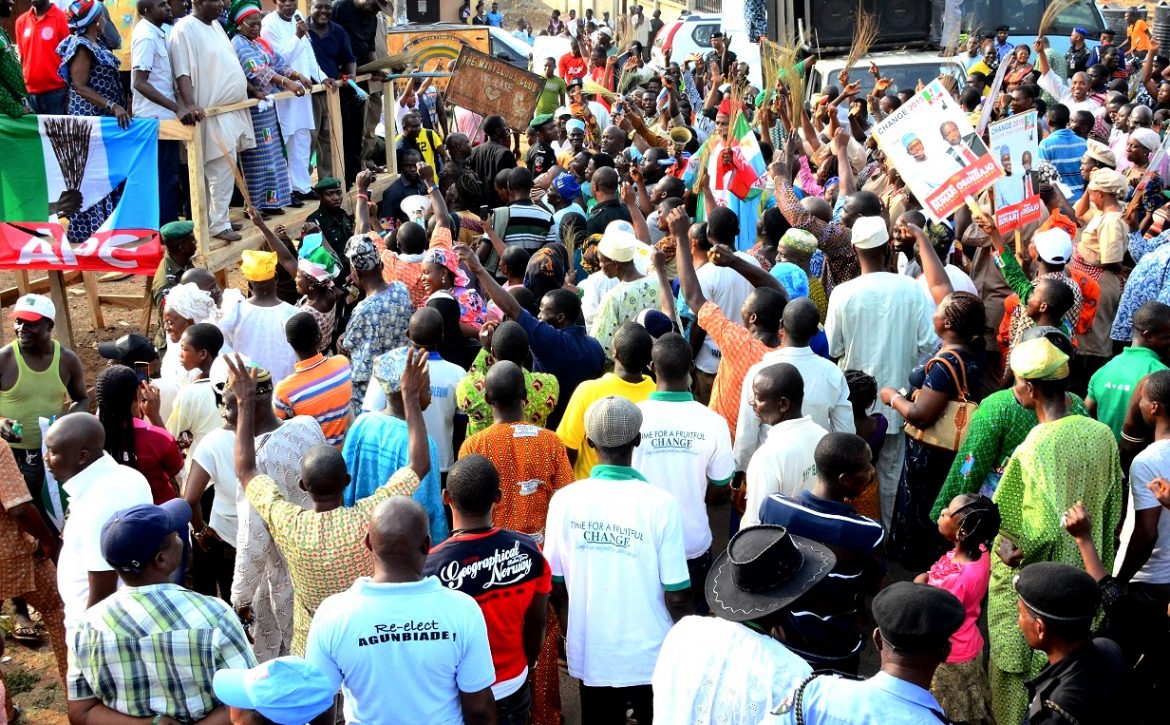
(327,184)
(174,231)
(540,120)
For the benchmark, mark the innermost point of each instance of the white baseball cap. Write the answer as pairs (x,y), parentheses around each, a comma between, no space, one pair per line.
(1053,245)
(31,308)
(869,232)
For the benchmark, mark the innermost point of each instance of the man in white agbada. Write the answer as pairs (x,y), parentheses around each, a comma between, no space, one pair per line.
(733,668)
(288,34)
(208,74)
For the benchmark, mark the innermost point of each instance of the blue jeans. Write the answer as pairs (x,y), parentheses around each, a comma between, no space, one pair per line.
(51,103)
(514,709)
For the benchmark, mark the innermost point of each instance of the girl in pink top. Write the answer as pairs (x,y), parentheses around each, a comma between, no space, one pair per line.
(960,685)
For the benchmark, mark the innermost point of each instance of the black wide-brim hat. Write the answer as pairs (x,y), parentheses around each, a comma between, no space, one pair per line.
(763,570)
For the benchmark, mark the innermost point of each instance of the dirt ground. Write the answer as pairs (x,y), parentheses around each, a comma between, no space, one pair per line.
(31,674)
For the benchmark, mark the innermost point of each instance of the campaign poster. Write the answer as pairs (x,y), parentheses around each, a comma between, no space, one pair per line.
(79,193)
(1014,145)
(931,143)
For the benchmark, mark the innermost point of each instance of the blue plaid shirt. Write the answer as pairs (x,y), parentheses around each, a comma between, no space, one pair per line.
(153,650)
(1064,150)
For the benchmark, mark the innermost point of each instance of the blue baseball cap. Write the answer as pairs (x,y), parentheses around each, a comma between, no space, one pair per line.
(1080,30)
(566,185)
(133,536)
(286,690)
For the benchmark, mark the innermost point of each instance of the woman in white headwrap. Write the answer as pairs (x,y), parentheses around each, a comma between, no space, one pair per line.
(1099,254)
(185,305)
(1139,151)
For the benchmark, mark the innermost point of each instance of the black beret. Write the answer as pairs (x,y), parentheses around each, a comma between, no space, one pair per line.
(1058,592)
(917,617)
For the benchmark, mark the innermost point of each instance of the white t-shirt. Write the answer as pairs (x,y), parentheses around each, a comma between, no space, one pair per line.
(684,445)
(714,671)
(103,489)
(148,52)
(440,414)
(593,290)
(258,333)
(431,642)
(826,399)
(727,289)
(783,464)
(194,411)
(1154,461)
(616,542)
(216,455)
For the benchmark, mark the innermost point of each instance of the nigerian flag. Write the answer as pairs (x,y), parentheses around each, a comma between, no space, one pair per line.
(68,164)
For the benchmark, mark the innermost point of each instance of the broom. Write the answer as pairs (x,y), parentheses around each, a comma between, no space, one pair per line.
(1051,13)
(69,138)
(864,33)
(239,175)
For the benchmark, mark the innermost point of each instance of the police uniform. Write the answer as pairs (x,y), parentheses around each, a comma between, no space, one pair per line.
(912,618)
(1087,686)
(169,272)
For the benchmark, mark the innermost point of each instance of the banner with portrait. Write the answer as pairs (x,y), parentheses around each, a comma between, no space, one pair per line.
(1014,144)
(931,143)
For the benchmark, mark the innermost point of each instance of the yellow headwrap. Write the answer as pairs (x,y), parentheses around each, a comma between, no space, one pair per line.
(1039,359)
(258,266)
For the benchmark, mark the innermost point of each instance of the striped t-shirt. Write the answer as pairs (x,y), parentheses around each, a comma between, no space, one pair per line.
(529,226)
(320,387)
(827,615)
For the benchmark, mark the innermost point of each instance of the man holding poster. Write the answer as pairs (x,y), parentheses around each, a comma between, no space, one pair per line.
(940,187)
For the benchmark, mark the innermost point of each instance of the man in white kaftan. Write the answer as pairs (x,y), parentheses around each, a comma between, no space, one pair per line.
(208,74)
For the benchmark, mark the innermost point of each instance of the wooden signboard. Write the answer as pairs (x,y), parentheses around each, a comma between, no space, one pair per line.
(493,87)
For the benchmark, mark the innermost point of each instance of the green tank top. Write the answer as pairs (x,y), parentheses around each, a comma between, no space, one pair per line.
(33,395)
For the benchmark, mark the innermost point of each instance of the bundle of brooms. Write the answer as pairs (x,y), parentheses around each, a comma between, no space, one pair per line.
(865,31)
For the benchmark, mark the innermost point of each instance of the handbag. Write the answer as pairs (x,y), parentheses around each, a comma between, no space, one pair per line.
(949,431)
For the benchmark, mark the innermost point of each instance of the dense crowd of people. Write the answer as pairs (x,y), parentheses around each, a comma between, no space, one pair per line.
(478,426)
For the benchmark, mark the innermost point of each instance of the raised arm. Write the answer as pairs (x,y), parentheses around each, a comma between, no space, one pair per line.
(630,199)
(844,168)
(284,255)
(438,203)
(665,298)
(416,378)
(722,255)
(932,267)
(487,284)
(680,223)
(361,208)
(243,384)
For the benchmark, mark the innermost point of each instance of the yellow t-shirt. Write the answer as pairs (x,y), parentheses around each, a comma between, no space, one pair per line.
(572,428)
(1139,36)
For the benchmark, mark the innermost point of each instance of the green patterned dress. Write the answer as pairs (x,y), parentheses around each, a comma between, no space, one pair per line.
(1059,463)
(999,426)
(13,95)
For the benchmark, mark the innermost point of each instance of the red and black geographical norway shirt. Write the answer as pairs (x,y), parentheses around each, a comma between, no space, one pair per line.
(502,571)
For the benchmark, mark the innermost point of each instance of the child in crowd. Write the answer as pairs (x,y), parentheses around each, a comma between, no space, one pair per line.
(863,391)
(196,412)
(960,684)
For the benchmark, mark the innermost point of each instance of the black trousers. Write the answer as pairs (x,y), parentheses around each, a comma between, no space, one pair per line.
(608,705)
